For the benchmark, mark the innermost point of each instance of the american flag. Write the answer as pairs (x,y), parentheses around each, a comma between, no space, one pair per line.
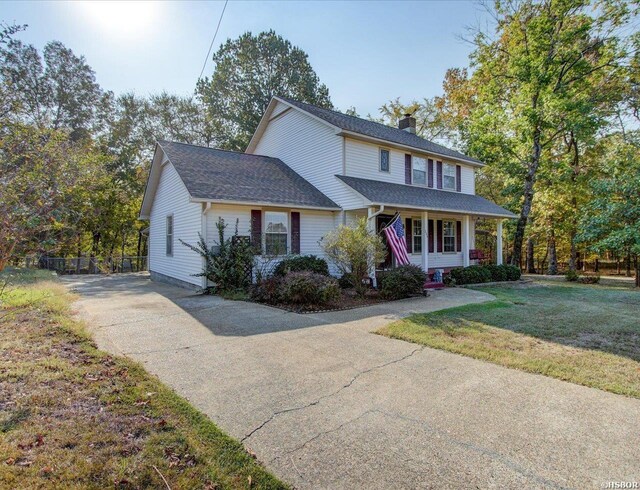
(394,232)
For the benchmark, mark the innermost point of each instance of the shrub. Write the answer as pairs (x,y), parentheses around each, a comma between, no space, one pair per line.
(402,282)
(474,274)
(300,263)
(355,251)
(571,275)
(267,290)
(513,272)
(498,272)
(308,288)
(228,264)
(449,281)
(590,279)
(346,280)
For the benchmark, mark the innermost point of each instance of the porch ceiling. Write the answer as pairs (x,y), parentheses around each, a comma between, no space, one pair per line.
(414,197)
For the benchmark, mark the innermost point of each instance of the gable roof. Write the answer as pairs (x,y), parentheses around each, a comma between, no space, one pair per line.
(423,197)
(210,174)
(378,131)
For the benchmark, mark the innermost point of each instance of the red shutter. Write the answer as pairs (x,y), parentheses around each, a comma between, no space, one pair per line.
(439,236)
(458,178)
(407,169)
(408,232)
(256,230)
(439,167)
(458,236)
(430,173)
(295,232)
(431,236)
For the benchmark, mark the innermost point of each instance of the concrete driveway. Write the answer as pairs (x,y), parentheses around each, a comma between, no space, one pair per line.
(324,403)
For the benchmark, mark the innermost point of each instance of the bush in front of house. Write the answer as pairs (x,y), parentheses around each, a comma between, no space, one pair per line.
(474,274)
(300,263)
(266,290)
(498,272)
(402,282)
(345,281)
(308,288)
(477,274)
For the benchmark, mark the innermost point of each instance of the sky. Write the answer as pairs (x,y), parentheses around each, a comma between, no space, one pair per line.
(367,53)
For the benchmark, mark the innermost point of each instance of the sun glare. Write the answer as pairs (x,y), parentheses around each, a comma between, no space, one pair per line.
(125,19)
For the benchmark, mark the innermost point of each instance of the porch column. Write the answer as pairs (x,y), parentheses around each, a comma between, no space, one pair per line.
(371,225)
(425,241)
(499,243)
(465,240)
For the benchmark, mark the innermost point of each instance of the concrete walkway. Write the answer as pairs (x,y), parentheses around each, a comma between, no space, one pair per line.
(326,404)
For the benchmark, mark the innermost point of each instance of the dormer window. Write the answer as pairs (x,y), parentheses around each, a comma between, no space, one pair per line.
(449,177)
(384,160)
(419,171)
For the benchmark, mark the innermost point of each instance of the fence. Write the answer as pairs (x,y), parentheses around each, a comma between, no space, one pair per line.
(88,265)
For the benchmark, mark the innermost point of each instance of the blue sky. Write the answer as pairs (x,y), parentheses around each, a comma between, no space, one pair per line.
(365,52)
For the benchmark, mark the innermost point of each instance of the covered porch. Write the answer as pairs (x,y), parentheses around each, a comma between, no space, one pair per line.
(435,239)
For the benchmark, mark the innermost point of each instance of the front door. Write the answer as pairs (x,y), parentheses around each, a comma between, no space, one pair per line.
(382,221)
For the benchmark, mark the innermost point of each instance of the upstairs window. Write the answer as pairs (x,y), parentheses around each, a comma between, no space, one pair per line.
(276,233)
(449,177)
(419,171)
(169,235)
(384,160)
(448,236)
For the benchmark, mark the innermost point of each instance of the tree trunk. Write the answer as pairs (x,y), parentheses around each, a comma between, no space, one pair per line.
(573,256)
(637,271)
(574,203)
(628,272)
(531,266)
(528,191)
(553,258)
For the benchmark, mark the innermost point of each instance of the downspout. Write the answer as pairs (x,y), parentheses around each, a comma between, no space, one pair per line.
(380,211)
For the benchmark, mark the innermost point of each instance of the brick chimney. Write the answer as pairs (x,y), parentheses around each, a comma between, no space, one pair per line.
(408,123)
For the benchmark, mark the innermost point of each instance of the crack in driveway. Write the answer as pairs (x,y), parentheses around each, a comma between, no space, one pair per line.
(324,397)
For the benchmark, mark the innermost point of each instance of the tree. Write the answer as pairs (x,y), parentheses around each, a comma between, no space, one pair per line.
(355,251)
(249,71)
(429,123)
(548,62)
(611,222)
(43,177)
(57,91)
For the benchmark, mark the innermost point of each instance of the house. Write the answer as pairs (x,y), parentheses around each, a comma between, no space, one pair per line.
(306,171)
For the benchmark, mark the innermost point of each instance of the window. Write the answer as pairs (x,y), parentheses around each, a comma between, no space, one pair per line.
(449,176)
(448,236)
(419,171)
(275,233)
(417,236)
(384,160)
(169,235)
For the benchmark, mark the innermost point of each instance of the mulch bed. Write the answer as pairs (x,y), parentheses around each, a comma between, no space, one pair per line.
(348,301)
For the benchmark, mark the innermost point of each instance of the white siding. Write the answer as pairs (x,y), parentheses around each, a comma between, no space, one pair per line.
(312,149)
(172,198)
(313,225)
(363,161)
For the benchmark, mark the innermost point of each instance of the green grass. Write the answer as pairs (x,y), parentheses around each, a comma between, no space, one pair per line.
(589,335)
(72,416)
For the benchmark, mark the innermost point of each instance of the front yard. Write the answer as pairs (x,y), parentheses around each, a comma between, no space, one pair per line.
(588,335)
(72,416)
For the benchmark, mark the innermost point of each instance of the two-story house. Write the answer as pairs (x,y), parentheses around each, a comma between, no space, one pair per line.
(306,171)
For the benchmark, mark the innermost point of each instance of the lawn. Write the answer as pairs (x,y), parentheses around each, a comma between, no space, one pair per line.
(588,335)
(72,416)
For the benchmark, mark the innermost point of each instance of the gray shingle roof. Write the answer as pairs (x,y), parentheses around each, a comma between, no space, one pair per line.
(220,175)
(377,130)
(423,197)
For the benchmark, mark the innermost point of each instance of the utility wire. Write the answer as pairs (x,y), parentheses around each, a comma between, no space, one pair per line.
(214,39)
